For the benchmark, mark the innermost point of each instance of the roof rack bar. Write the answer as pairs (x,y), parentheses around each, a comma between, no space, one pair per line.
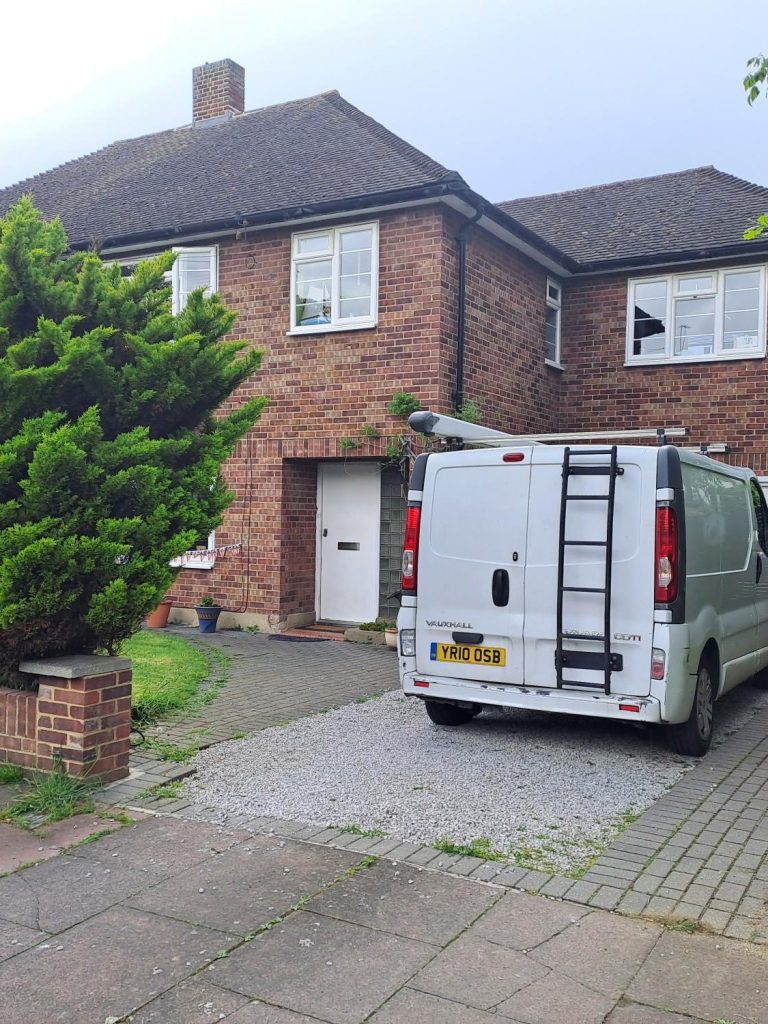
(434,424)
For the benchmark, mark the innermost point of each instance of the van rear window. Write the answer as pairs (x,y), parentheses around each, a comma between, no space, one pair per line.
(718,521)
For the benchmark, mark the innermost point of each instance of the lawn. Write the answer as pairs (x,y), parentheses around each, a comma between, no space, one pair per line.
(167,673)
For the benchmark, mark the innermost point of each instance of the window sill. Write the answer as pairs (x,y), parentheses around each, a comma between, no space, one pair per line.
(554,365)
(193,563)
(332,328)
(698,360)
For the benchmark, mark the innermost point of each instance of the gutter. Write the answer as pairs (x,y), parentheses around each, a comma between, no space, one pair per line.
(461,253)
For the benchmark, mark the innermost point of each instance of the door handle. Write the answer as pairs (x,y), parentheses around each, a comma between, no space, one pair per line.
(500,588)
(759,567)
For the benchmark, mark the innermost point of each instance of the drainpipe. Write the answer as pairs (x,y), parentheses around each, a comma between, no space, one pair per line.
(461,252)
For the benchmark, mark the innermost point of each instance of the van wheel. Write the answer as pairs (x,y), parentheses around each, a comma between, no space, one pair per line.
(448,714)
(693,737)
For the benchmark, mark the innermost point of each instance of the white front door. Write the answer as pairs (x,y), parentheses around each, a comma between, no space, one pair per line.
(349,511)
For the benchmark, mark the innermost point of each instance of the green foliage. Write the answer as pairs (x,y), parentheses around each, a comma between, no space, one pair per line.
(348,443)
(52,796)
(395,449)
(108,442)
(10,773)
(470,411)
(207,602)
(168,751)
(369,431)
(755,82)
(480,847)
(403,404)
(167,672)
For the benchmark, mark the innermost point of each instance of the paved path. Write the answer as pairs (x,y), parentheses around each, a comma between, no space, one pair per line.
(267,682)
(173,922)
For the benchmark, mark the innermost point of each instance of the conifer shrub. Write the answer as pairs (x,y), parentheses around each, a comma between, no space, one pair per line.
(110,452)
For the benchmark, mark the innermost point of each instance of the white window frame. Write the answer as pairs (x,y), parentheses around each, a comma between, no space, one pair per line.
(672,282)
(212,251)
(335,233)
(558,305)
(205,560)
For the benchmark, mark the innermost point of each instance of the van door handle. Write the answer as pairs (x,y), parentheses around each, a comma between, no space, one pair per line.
(500,588)
(759,567)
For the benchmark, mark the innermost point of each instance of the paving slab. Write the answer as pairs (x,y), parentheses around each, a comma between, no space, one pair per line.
(557,998)
(66,890)
(248,885)
(103,968)
(334,970)
(191,1002)
(520,921)
(163,846)
(636,1014)
(262,1013)
(411,1007)
(416,904)
(704,977)
(15,938)
(601,950)
(478,973)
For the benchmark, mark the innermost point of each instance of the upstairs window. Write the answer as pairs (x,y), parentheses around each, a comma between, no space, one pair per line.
(552,323)
(714,314)
(193,268)
(334,279)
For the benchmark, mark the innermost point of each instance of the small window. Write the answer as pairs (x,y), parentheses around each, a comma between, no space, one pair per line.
(334,279)
(688,317)
(193,269)
(552,323)
(761,515)
(201,556)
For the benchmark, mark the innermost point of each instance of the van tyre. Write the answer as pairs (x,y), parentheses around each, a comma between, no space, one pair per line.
(448,714)
(693,737)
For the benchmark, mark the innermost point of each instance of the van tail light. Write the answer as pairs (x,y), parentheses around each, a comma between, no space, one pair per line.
(667,559)
(658,663)
(411,548)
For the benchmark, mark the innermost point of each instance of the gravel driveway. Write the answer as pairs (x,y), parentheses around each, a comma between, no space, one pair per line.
(547,790)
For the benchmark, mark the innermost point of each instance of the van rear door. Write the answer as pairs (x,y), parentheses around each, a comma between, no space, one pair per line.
(632,594)
(472,556)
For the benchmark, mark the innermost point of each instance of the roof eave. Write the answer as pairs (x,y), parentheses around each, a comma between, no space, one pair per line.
(756,249)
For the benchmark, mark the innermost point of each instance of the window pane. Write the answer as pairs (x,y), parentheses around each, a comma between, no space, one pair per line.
(694,326)
(553,291)
(356,262)
(313,293)
(351,240)
(650,319)
(195,270)
(313,243)
(750,279)
(354,307)
(355,286)
(696,284)
(550,335)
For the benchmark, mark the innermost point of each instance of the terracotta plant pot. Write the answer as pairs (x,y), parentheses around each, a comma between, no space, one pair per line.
(390,637)
(158,619)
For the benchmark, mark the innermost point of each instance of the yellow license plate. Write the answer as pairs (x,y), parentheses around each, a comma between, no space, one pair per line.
(468,654)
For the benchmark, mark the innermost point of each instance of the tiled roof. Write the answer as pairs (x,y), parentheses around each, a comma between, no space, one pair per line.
(320,150)
(646,219)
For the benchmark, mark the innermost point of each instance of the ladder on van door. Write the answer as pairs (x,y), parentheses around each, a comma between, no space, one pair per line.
(603,662)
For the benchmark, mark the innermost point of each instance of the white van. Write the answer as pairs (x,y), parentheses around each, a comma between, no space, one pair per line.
(625,582)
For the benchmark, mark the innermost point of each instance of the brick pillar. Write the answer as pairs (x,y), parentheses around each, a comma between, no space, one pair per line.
(83,714)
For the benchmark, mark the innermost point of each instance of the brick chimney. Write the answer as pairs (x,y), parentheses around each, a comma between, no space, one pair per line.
(218,91)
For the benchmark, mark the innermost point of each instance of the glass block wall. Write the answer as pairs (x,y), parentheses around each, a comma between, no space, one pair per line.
(393,505)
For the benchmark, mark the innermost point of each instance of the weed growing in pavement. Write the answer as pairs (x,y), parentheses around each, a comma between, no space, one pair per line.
(94,836)
(252,629)
(10,773)
(373,833)
(52,796)
(118,816)
(480,847)
(673,923)
(165,791)
(168,751)
(238,736)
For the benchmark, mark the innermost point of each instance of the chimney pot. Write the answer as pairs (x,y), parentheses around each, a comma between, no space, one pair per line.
(218,91)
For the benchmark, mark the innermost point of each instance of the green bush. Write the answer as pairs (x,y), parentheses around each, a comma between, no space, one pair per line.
(109,449)
(403,404)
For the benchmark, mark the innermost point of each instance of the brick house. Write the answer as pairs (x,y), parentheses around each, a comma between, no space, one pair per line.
(363,268)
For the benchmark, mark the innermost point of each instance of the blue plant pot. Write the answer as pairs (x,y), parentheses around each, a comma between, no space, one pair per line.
(207,617)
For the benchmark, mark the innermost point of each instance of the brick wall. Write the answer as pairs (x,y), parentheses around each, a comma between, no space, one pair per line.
(85,722)
(217,89)
(716,401)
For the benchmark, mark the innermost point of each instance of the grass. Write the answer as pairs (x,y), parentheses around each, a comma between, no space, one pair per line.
(10,773)
(480,847)
(168,751)
(51,796)
(166,791)
(167,673)
(355,830)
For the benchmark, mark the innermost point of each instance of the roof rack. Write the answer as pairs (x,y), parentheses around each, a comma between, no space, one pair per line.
(434,424)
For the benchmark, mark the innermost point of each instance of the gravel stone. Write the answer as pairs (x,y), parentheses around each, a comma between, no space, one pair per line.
(552,786)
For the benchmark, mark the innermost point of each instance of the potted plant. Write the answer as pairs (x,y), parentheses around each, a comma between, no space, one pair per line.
(158,619)
(208,613)
(390,636)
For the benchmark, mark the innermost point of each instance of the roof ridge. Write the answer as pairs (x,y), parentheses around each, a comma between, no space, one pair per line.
(416,156)
(614,184)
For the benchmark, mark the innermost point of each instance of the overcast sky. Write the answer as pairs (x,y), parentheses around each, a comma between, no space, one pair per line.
(521,97)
